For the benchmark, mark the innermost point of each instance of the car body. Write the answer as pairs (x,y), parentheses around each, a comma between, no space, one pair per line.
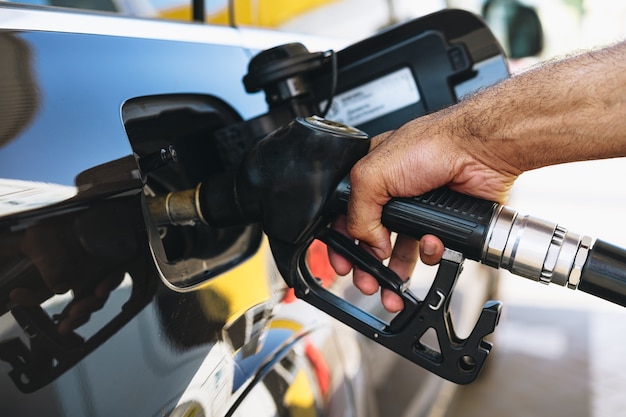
(90,104)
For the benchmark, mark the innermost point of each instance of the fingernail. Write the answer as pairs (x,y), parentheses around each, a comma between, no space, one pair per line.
(429,248)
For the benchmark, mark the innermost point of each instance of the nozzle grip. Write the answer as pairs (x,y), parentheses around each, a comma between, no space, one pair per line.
(461,221)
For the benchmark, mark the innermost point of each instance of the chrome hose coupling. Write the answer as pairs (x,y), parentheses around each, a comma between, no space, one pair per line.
(536,249)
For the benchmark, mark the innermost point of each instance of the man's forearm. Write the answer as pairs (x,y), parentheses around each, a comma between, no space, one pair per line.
(568,110)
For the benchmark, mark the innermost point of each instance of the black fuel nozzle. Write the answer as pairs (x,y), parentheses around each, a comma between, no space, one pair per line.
(294,182)
(284,182)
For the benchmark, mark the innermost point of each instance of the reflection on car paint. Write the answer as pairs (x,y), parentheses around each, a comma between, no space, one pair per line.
(72,185)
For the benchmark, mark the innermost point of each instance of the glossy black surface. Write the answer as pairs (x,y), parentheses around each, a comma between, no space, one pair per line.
(71,89)
(72,218)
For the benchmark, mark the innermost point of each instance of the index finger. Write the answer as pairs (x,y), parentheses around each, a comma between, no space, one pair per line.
(364,223)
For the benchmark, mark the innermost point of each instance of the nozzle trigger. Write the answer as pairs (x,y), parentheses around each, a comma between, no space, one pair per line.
(451,357)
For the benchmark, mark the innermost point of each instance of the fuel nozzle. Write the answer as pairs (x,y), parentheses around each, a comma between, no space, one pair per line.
(296,178)
(284,182)
(294,182)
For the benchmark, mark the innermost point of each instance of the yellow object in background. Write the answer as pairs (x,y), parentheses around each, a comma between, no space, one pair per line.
(259,13)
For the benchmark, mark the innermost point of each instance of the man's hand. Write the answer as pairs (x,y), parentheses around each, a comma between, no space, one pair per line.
(418,157)
(480,145)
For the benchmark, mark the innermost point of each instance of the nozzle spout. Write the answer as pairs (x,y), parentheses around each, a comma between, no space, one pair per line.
(284,182)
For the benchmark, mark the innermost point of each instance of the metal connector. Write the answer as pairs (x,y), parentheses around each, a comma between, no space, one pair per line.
(533,248)
(180,208)
(579,262)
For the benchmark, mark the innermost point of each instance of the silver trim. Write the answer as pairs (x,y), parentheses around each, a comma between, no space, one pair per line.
(527,247)
(498,235)
(534,248)
(579,262)
(452,255)
(335,128)
(565,258)
(197,204)
(442,298)
(168,212)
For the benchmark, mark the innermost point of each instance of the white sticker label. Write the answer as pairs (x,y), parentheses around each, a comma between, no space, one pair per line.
(374,99)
